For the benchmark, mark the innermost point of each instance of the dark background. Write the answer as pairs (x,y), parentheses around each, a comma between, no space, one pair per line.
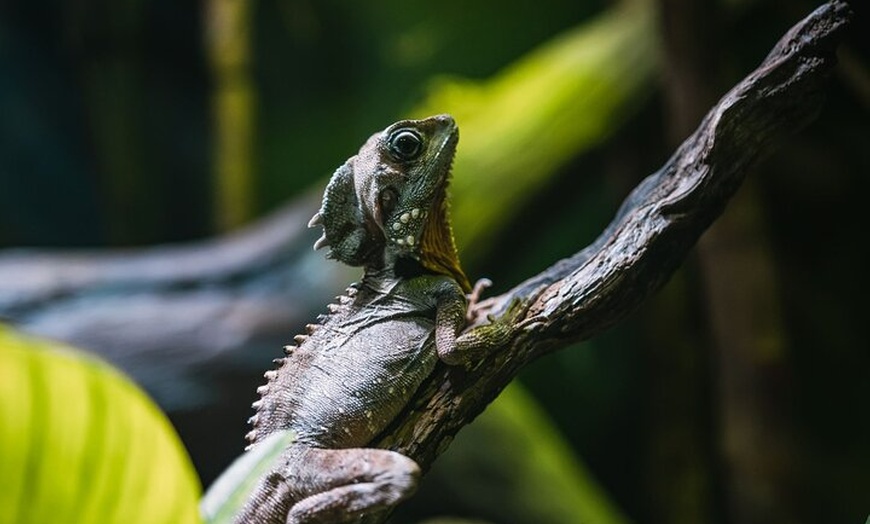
(739,393)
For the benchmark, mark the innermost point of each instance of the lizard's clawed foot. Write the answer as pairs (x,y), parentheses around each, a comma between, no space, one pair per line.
(474,345)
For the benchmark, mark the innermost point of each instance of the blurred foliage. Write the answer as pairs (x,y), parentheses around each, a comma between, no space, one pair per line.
(552,105)
(512,465)
(108,138)
(80,443)
(121,95)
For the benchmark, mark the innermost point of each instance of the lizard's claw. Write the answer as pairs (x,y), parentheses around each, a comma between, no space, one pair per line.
(474,297)
(533,323)
(479,287)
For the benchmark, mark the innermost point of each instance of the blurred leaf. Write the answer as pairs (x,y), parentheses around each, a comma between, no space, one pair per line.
(230,491)
(520,127)
(80,443)
(512,465)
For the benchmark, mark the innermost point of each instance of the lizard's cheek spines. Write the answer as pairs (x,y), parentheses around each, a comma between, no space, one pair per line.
(345,231)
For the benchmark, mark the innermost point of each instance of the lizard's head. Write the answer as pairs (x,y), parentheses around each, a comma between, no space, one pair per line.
(391,199)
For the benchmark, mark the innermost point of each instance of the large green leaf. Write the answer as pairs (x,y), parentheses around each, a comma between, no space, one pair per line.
(80,443)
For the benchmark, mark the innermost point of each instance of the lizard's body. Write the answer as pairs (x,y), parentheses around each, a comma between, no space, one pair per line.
(385,210)
(360,366)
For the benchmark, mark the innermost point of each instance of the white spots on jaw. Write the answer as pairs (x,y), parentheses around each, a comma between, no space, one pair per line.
(406,221)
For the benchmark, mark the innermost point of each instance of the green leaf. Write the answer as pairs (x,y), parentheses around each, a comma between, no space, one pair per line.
(80,443)
(231,490)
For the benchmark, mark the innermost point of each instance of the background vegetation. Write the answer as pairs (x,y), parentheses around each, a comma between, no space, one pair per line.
(738,394)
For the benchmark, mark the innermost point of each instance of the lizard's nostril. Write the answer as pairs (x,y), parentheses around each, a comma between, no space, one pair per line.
(444,119)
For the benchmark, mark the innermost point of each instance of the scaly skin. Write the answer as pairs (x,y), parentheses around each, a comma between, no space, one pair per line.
(385,209)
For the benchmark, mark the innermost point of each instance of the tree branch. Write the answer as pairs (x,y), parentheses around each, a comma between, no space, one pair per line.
(581,296)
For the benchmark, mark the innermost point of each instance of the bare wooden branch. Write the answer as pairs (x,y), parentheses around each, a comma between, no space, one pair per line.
(658,223)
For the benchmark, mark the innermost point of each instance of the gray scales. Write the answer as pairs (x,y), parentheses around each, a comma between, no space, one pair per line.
(385,209)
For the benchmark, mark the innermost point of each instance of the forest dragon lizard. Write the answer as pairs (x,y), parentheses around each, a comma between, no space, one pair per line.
(385,209)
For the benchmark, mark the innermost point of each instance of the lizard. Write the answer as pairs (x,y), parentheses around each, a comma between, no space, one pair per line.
(385,209)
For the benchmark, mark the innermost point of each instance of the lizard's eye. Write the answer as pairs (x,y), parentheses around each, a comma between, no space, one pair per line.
(388,199)
(405,145)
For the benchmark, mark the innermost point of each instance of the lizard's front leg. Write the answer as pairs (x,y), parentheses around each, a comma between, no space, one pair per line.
(323,486)
(469,348)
